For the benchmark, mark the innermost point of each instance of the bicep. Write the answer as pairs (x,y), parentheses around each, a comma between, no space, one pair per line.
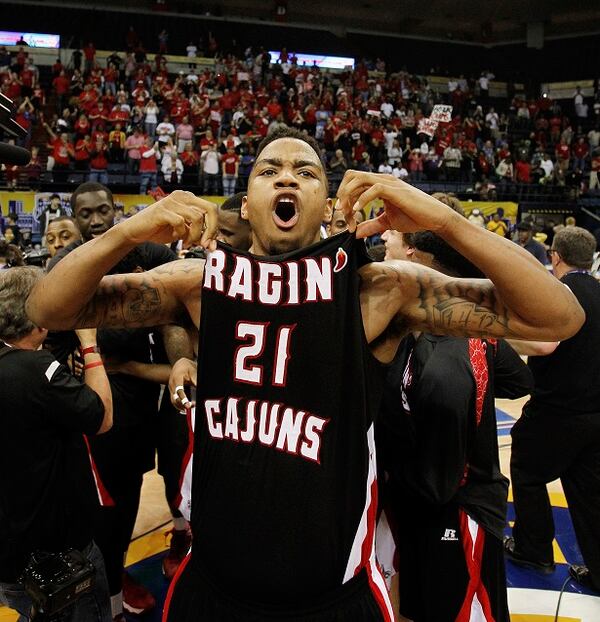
(135,300)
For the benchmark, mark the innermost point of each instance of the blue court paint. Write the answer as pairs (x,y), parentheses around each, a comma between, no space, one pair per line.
(504,422)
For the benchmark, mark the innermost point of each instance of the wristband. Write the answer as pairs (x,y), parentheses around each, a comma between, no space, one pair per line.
(95,364)
(90,350)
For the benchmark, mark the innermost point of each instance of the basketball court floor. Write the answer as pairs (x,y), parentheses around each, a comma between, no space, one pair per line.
(532,597)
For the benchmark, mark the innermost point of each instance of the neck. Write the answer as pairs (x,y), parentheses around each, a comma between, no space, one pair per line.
(563,269)
(32,341)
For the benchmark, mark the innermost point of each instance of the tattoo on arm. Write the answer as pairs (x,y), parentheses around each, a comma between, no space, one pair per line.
(466,307)
(143,299)
(457,307)
(124,301)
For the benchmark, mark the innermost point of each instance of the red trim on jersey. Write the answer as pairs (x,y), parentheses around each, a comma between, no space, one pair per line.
(479,366)
(103,495)
(379,594)
(171,589)
(473,556)
(477,350)
(187,456)
(368,542)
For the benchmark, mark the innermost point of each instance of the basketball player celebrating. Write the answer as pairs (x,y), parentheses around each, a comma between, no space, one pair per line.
(291,337)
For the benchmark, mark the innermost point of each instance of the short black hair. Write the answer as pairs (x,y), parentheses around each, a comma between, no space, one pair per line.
(445,256)
(283,131)
(63,218)
(233,203)
(90,186)
(54,196)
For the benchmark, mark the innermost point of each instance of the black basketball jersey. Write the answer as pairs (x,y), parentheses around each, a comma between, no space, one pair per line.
(284,477)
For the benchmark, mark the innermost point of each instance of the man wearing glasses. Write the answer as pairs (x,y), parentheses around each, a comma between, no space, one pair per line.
(558,435)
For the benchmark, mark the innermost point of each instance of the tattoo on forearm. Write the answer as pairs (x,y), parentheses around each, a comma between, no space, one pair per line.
(123,302)
(462,307)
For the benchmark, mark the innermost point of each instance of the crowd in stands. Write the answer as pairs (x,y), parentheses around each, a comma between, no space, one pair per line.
(200,126)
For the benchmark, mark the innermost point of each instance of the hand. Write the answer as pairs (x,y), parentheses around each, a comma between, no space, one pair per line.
(406,208)
(86,336)
(183,373)
(179,216)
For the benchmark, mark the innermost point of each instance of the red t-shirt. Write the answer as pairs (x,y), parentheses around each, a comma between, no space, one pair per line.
(27,77)
(274,109)
(60,151)
(61,85)
(189,158)
(98,160)
(147,165)
(82,150)
(229,162)
(562,151)
(523,171)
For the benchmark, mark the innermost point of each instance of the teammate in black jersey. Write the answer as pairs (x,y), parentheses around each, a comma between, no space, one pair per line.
(437,442)
(251,443)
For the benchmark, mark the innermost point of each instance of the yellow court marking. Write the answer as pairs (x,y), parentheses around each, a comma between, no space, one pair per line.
(534,617)
(153,543)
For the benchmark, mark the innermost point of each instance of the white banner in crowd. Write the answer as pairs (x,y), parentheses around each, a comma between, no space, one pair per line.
(427,126)
(441,113)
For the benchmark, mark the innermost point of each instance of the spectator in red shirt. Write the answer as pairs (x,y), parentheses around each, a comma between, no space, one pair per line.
(523,171)
(581,152)
(563,155)
(82,126)
(89,52)
(190,160)
(98,162)
(229,166)
(274,108)
(62,152)
(148,169)
(83,149)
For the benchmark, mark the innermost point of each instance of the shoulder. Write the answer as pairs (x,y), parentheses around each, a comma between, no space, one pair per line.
(35,363)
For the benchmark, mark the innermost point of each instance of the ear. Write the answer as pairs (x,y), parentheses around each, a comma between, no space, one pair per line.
(244,208)
(328,213)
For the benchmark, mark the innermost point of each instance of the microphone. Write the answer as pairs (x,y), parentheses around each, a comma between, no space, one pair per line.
(11,154)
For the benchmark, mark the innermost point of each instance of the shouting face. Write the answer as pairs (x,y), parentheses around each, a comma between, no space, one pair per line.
(287,198)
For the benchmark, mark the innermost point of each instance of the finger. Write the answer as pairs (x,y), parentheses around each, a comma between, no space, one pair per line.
(196,211)
(211,229)
(176,223)
(373,227)
(182,204)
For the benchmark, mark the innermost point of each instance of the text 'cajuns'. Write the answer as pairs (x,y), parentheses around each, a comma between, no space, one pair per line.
(275,425)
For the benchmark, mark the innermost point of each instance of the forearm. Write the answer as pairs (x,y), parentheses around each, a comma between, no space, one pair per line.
(58,298)
(177,342)
(522,284)
(96,379)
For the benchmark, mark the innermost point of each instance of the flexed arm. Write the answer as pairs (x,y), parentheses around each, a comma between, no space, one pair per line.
(521,299)
(75,294)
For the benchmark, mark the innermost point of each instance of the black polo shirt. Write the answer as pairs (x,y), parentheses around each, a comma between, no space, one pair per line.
(47,492)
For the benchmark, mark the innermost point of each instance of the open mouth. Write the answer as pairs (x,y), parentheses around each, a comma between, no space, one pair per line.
(285,213)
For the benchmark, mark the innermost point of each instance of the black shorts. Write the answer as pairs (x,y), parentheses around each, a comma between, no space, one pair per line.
(191,598)
(449,567)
